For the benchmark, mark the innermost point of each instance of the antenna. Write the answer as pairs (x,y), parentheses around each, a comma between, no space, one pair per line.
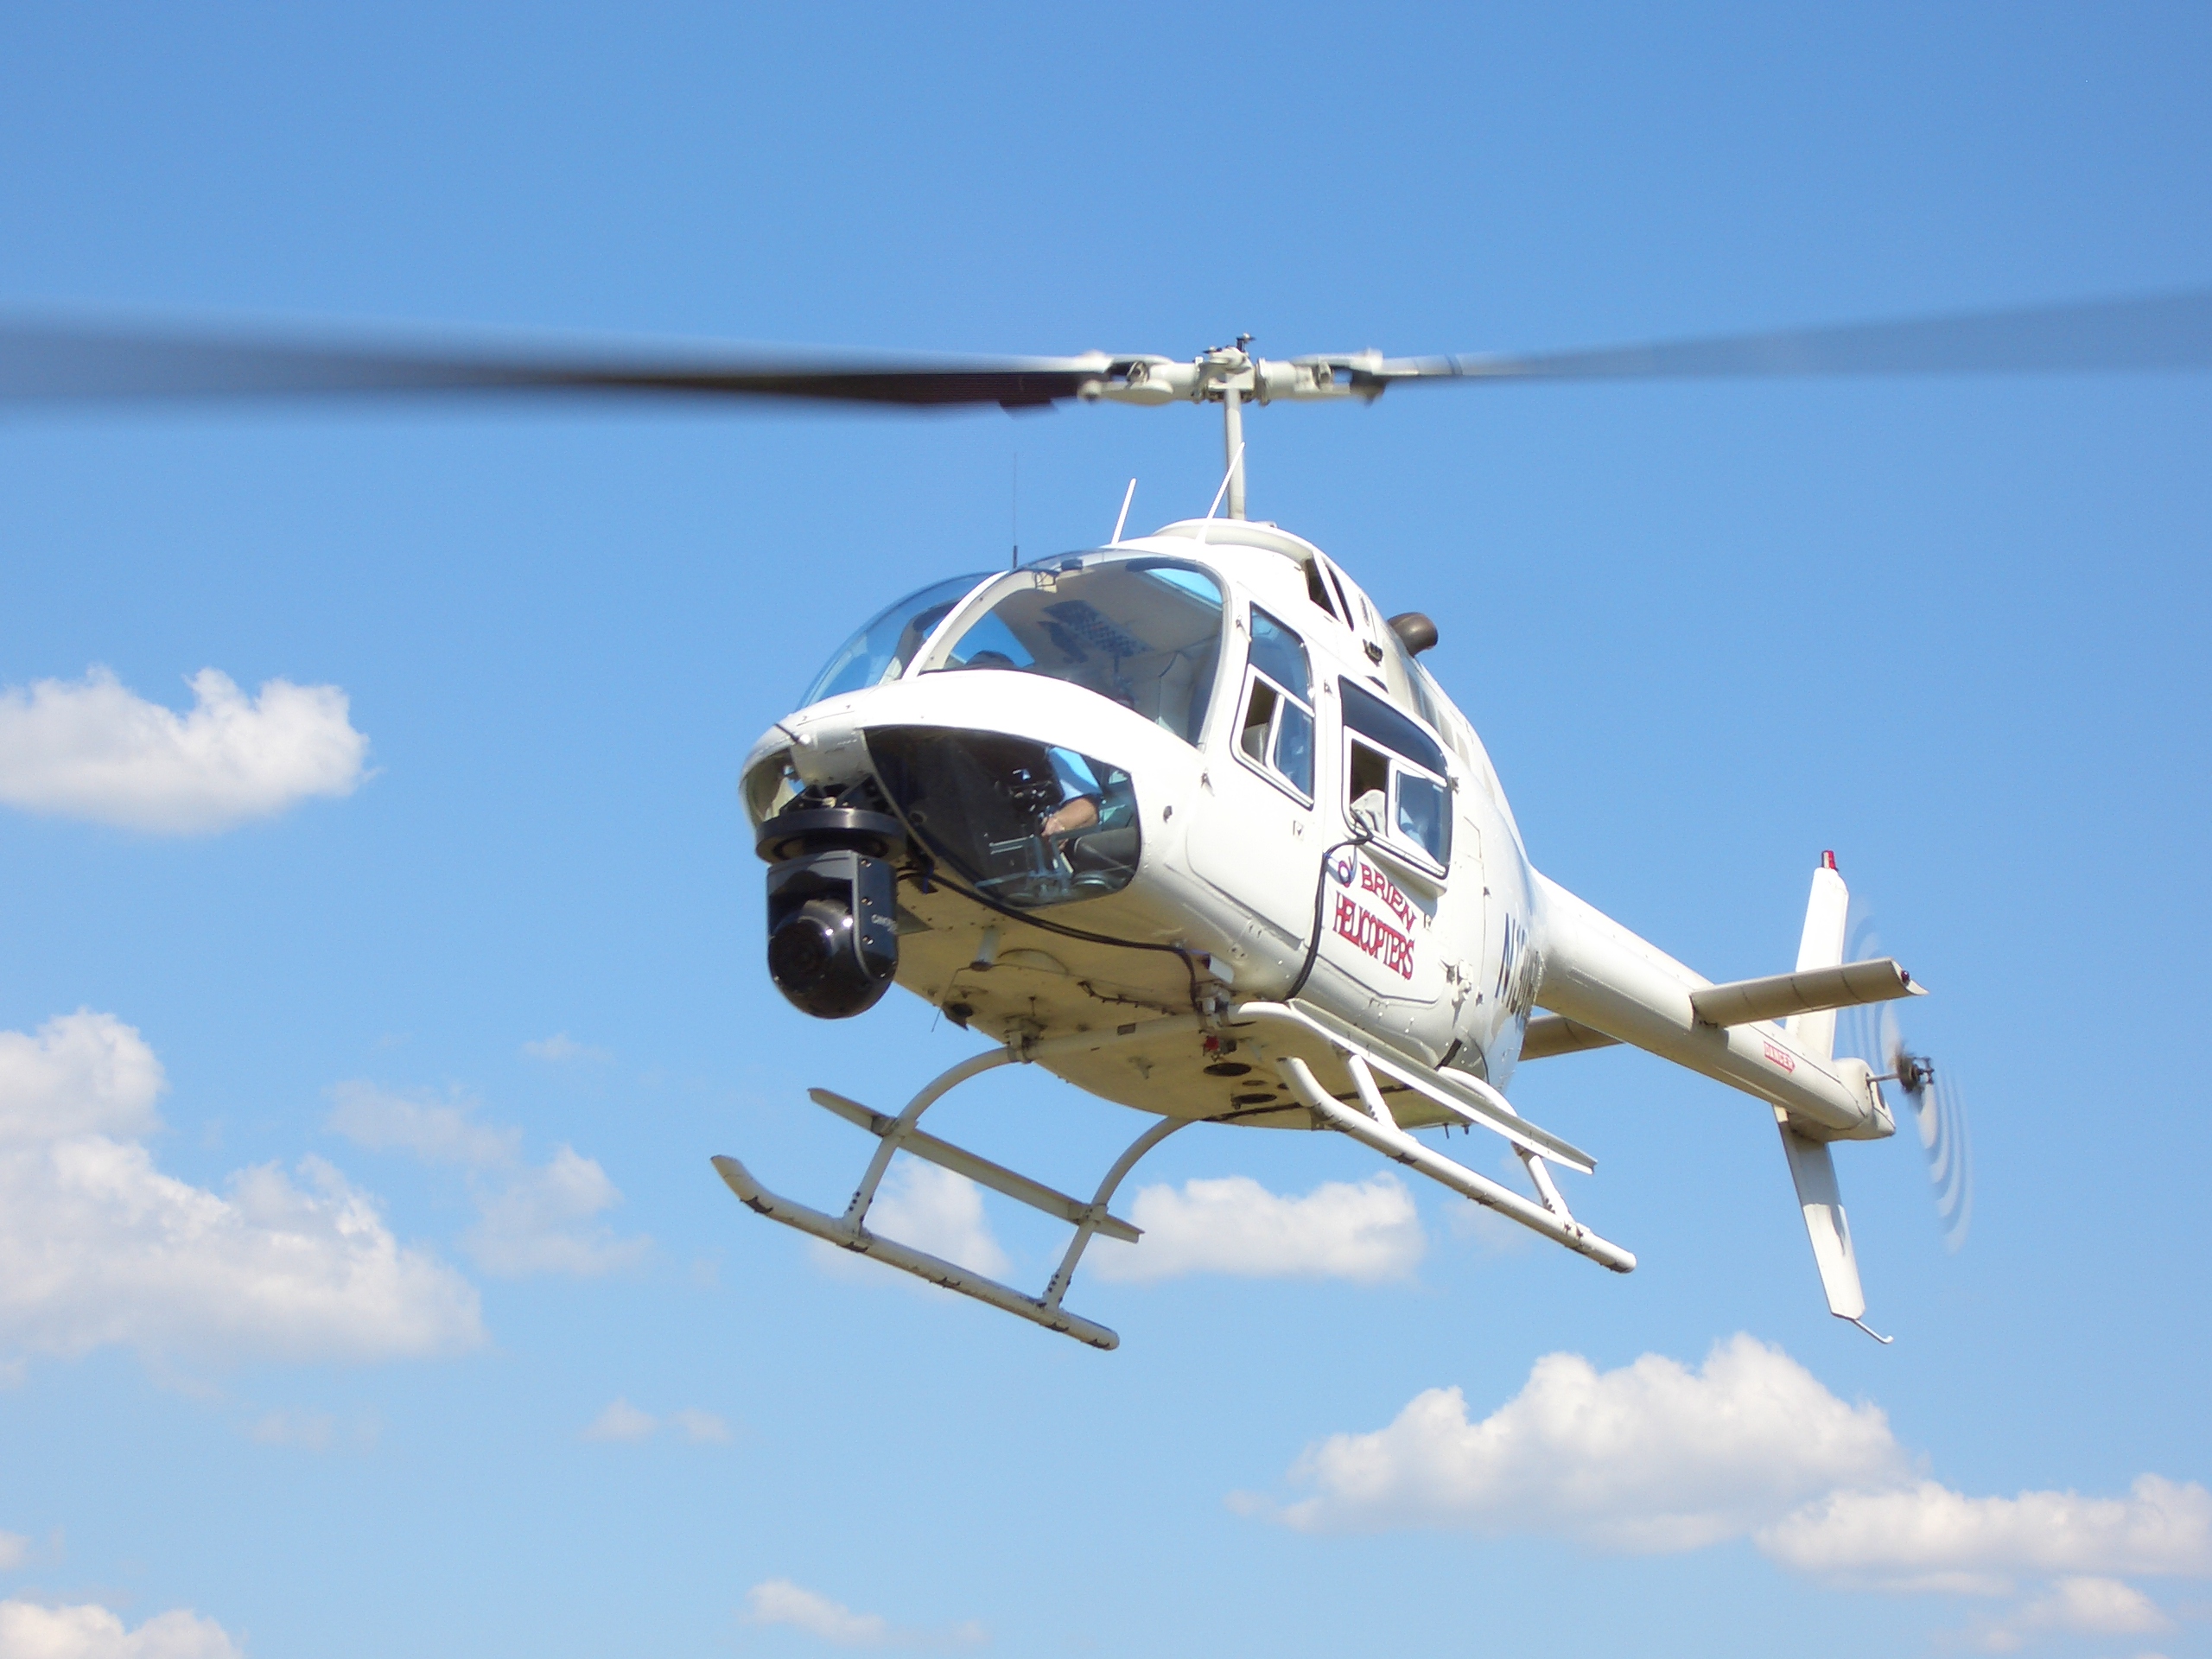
(1014,513)
(1233,461)
(1128,496)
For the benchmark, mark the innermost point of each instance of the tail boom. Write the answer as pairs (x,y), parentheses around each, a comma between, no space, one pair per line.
(1601,975)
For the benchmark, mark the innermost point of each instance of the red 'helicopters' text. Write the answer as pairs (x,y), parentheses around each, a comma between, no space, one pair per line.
(1371,934)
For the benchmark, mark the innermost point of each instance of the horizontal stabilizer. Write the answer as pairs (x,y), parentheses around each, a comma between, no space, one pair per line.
(1809,990)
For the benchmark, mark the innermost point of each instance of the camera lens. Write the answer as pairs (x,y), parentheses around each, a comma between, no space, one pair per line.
(800,951)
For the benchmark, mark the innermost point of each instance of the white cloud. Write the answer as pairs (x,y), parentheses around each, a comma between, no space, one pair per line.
(624,1421)
(30,1631)
(1366,1231)
(98,1247)
(91,749)
(85,1073)
(560,1048)
(1928,1536)
(702,1427)
(621,1421)
(2094,1607)
(931,1209)
(1652,1456)
(14,1550)
(439,1132)
(779,1601)
(544,1220)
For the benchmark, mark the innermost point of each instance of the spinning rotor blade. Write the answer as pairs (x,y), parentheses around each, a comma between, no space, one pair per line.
(2170,332)
(74,362)
(77,361)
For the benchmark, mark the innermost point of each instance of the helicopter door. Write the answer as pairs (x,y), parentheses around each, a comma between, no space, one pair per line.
(1384,918)
(1254,838)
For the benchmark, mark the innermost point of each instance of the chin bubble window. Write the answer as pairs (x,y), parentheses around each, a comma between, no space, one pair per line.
(1276,734)
(1396,778)
(1144,633)
(1026,824)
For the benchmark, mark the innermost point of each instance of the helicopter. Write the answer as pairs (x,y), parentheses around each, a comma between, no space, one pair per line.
(1183,818)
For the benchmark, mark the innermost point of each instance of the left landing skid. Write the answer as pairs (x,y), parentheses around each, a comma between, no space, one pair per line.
(900,1134)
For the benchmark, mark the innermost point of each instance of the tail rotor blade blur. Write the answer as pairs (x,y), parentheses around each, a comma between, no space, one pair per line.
(1939,1117)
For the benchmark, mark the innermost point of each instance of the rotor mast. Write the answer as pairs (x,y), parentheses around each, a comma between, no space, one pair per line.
(1232,445)
(1233,375)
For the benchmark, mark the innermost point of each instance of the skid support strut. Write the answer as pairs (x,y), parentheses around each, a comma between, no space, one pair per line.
(901,1134)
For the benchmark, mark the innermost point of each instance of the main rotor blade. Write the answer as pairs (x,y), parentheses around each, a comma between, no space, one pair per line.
(2171,332)
(76,363)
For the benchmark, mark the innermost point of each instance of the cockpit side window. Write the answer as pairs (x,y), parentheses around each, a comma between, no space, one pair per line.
(1144,633)
(1276,731)
(1395,777)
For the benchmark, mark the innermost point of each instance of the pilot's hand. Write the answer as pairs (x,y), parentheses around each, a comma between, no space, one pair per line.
(1072,816)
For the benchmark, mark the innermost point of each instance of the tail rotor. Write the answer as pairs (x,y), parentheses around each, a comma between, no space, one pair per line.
(1938,1108)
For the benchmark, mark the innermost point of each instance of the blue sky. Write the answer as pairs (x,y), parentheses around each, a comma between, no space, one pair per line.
(456,1016)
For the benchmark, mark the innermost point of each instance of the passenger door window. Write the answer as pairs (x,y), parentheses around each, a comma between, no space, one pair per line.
(1395,778)
(1275,735)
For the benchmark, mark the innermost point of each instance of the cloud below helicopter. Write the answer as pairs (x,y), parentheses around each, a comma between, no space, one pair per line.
(93,749)
(91,1631)
(1657,1457)
(530,1218)
(1366,1230)
(98,1247)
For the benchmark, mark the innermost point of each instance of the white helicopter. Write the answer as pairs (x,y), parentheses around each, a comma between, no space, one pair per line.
(1183,819)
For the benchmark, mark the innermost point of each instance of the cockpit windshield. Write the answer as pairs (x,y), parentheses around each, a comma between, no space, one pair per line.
(887,647)
(1145,632)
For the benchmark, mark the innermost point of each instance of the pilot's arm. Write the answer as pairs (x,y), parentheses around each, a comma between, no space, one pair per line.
(1079,791)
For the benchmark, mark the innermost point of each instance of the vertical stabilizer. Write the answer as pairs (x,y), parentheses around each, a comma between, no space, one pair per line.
(1821,946)
(1812,1165)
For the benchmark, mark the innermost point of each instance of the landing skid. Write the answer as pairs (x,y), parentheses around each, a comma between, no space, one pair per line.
(849,1232)
(1295,1042)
